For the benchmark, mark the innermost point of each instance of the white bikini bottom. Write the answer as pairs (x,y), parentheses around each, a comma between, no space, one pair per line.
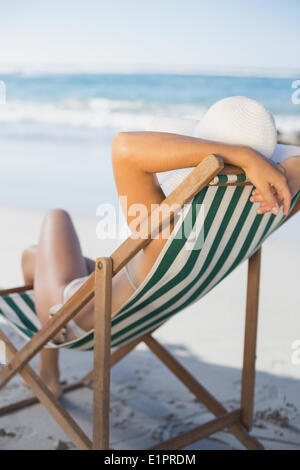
(70,290)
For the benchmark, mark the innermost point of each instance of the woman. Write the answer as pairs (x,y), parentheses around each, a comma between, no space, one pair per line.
(57,267)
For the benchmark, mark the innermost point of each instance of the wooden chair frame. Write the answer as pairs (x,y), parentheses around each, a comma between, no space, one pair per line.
(99,285)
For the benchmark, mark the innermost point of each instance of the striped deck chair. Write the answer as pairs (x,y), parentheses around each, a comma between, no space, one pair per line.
(216,229)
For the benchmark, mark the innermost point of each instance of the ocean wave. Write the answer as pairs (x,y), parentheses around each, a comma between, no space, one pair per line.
(96,117)
(96,112)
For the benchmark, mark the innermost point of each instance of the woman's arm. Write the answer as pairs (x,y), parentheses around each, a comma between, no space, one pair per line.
(154,152)
(137,156)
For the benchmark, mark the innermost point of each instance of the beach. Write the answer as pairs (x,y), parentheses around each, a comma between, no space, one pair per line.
(56,133)
(148,404)
(73,76)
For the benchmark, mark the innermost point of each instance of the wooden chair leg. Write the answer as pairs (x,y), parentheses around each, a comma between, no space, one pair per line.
(200,432)
(27,402)
(248,373)
(102,355)
(46,397)
(67,312)
(85,381)
(211,403)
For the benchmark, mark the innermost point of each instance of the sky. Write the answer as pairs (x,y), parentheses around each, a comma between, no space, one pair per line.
(143,35)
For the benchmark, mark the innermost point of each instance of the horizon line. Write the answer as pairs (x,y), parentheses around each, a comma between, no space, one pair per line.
(76,69)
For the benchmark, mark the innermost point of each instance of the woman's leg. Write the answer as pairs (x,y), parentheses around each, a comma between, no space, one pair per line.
(50,266)
(29,259)
(28,264)
(58,260)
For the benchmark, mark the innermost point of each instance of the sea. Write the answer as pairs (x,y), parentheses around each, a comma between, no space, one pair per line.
(56,130)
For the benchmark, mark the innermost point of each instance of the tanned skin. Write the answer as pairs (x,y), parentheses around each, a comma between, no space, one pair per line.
(136,158)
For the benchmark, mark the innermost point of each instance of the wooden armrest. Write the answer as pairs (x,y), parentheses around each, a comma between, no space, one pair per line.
(184,193)
(15,289)
(231,170)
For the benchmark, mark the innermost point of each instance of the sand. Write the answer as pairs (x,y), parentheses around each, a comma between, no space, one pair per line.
(148,404)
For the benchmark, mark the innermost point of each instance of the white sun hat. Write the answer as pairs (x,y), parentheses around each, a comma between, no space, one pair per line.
(235,120)
(174,125)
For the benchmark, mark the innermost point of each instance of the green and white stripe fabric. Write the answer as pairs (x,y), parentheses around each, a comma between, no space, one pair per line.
(224,179)
(214,233)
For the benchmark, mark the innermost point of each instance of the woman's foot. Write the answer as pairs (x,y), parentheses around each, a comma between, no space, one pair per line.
(49,370)
(52,382)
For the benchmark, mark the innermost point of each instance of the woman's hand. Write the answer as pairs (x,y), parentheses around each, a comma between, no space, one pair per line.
(272,189)
(291,169)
